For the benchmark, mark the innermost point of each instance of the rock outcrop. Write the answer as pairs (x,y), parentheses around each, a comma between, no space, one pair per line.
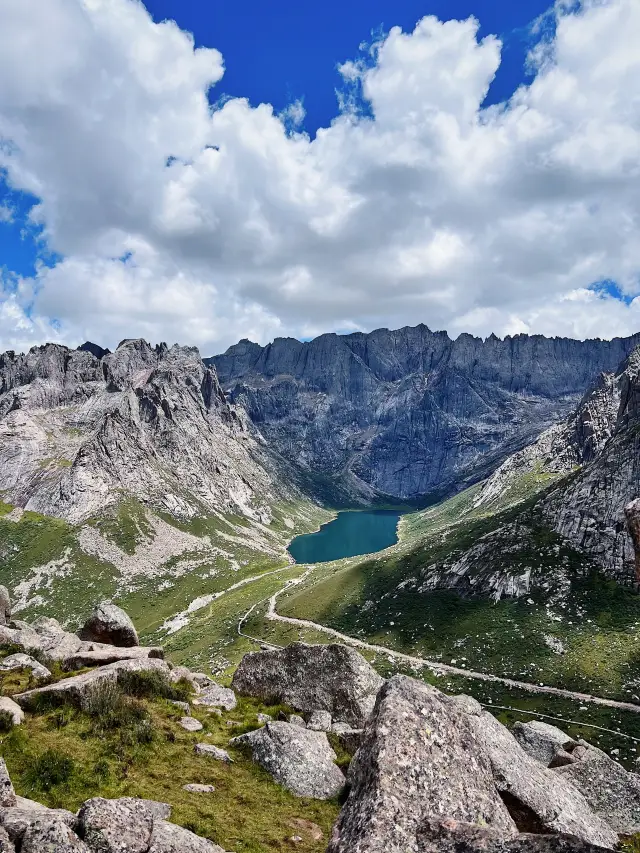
(109,624)
(410,412)
(47,638)
(80,430)
(542,741)
(125,825)
(300,759)
(333,678)
(611,791)
(450,836)
(419,759)
(73,690)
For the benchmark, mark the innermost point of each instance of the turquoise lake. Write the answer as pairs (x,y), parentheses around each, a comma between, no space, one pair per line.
(348,535)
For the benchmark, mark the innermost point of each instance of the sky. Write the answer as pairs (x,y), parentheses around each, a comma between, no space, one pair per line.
(205,172)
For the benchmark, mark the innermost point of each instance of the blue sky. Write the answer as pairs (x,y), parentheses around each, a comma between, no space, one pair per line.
(294,169)
(280,51)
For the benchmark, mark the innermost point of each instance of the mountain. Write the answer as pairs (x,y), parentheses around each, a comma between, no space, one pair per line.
(78,431)
(411,412)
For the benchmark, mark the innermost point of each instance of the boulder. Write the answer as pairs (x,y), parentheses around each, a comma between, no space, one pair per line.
(296,720)
(7,794)
(202,679)
(169,838)
(450,836)
(333,678)
(319,721)
(113,826)
(98,654)
(10,707)
(216,696)
(612,792)
(110,624)
(213,752)
(183,706)
(5,606)
(264,718)
(299,759)
(22,661)
(190,724)
(154,808)
(44,835)
(181,673)
(16,821)
(419,759)
(197,788)
(536,800)
(74,689)
(541,740)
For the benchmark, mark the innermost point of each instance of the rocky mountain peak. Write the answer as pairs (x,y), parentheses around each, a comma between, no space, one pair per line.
(77,432)
(410,412)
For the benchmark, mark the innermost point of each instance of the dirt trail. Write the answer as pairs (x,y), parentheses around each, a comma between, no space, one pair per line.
(434,666)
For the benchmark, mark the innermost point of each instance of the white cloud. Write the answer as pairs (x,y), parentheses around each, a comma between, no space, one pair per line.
(6,213)
(182,223)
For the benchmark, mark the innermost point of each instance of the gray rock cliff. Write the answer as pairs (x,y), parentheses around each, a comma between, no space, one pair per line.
(410,412)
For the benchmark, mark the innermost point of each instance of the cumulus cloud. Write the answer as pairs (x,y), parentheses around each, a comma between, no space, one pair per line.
(184,222)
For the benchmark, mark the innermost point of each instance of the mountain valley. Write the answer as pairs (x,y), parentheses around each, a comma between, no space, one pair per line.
(139,477)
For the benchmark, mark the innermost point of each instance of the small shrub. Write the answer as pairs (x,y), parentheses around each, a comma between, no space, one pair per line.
(6,721)
(50,769)
(102,770)
(61,717)
(153,685)
(110,709)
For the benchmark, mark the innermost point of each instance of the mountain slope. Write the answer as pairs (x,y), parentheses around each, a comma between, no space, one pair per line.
(128,475)
(78,432)
(410,412)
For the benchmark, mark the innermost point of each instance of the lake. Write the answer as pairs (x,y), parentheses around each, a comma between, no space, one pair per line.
(348,535)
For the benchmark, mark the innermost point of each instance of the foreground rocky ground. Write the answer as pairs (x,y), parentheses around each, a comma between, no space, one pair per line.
(415,770)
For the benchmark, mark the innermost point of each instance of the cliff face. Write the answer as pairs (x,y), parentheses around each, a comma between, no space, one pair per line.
(78,432)
(589,510)
(408,412)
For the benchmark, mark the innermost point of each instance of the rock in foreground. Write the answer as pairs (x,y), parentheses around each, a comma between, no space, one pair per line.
(611,791)
(418,759)
(299,759)
(450,836)
(333,678)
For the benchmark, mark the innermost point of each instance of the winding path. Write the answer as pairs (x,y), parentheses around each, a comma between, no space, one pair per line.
(434,666)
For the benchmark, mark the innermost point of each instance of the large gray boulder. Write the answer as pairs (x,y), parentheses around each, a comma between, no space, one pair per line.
(169,838)
(534,797)
(113,826)
(611,791)
(5,606)
(16,821)
(216,696)
(51,836)
(541,740)
(333,678)
(21,661)
(299,759)
(110,624)
(419,759)
(450,836)
(8,706)
(73,690)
